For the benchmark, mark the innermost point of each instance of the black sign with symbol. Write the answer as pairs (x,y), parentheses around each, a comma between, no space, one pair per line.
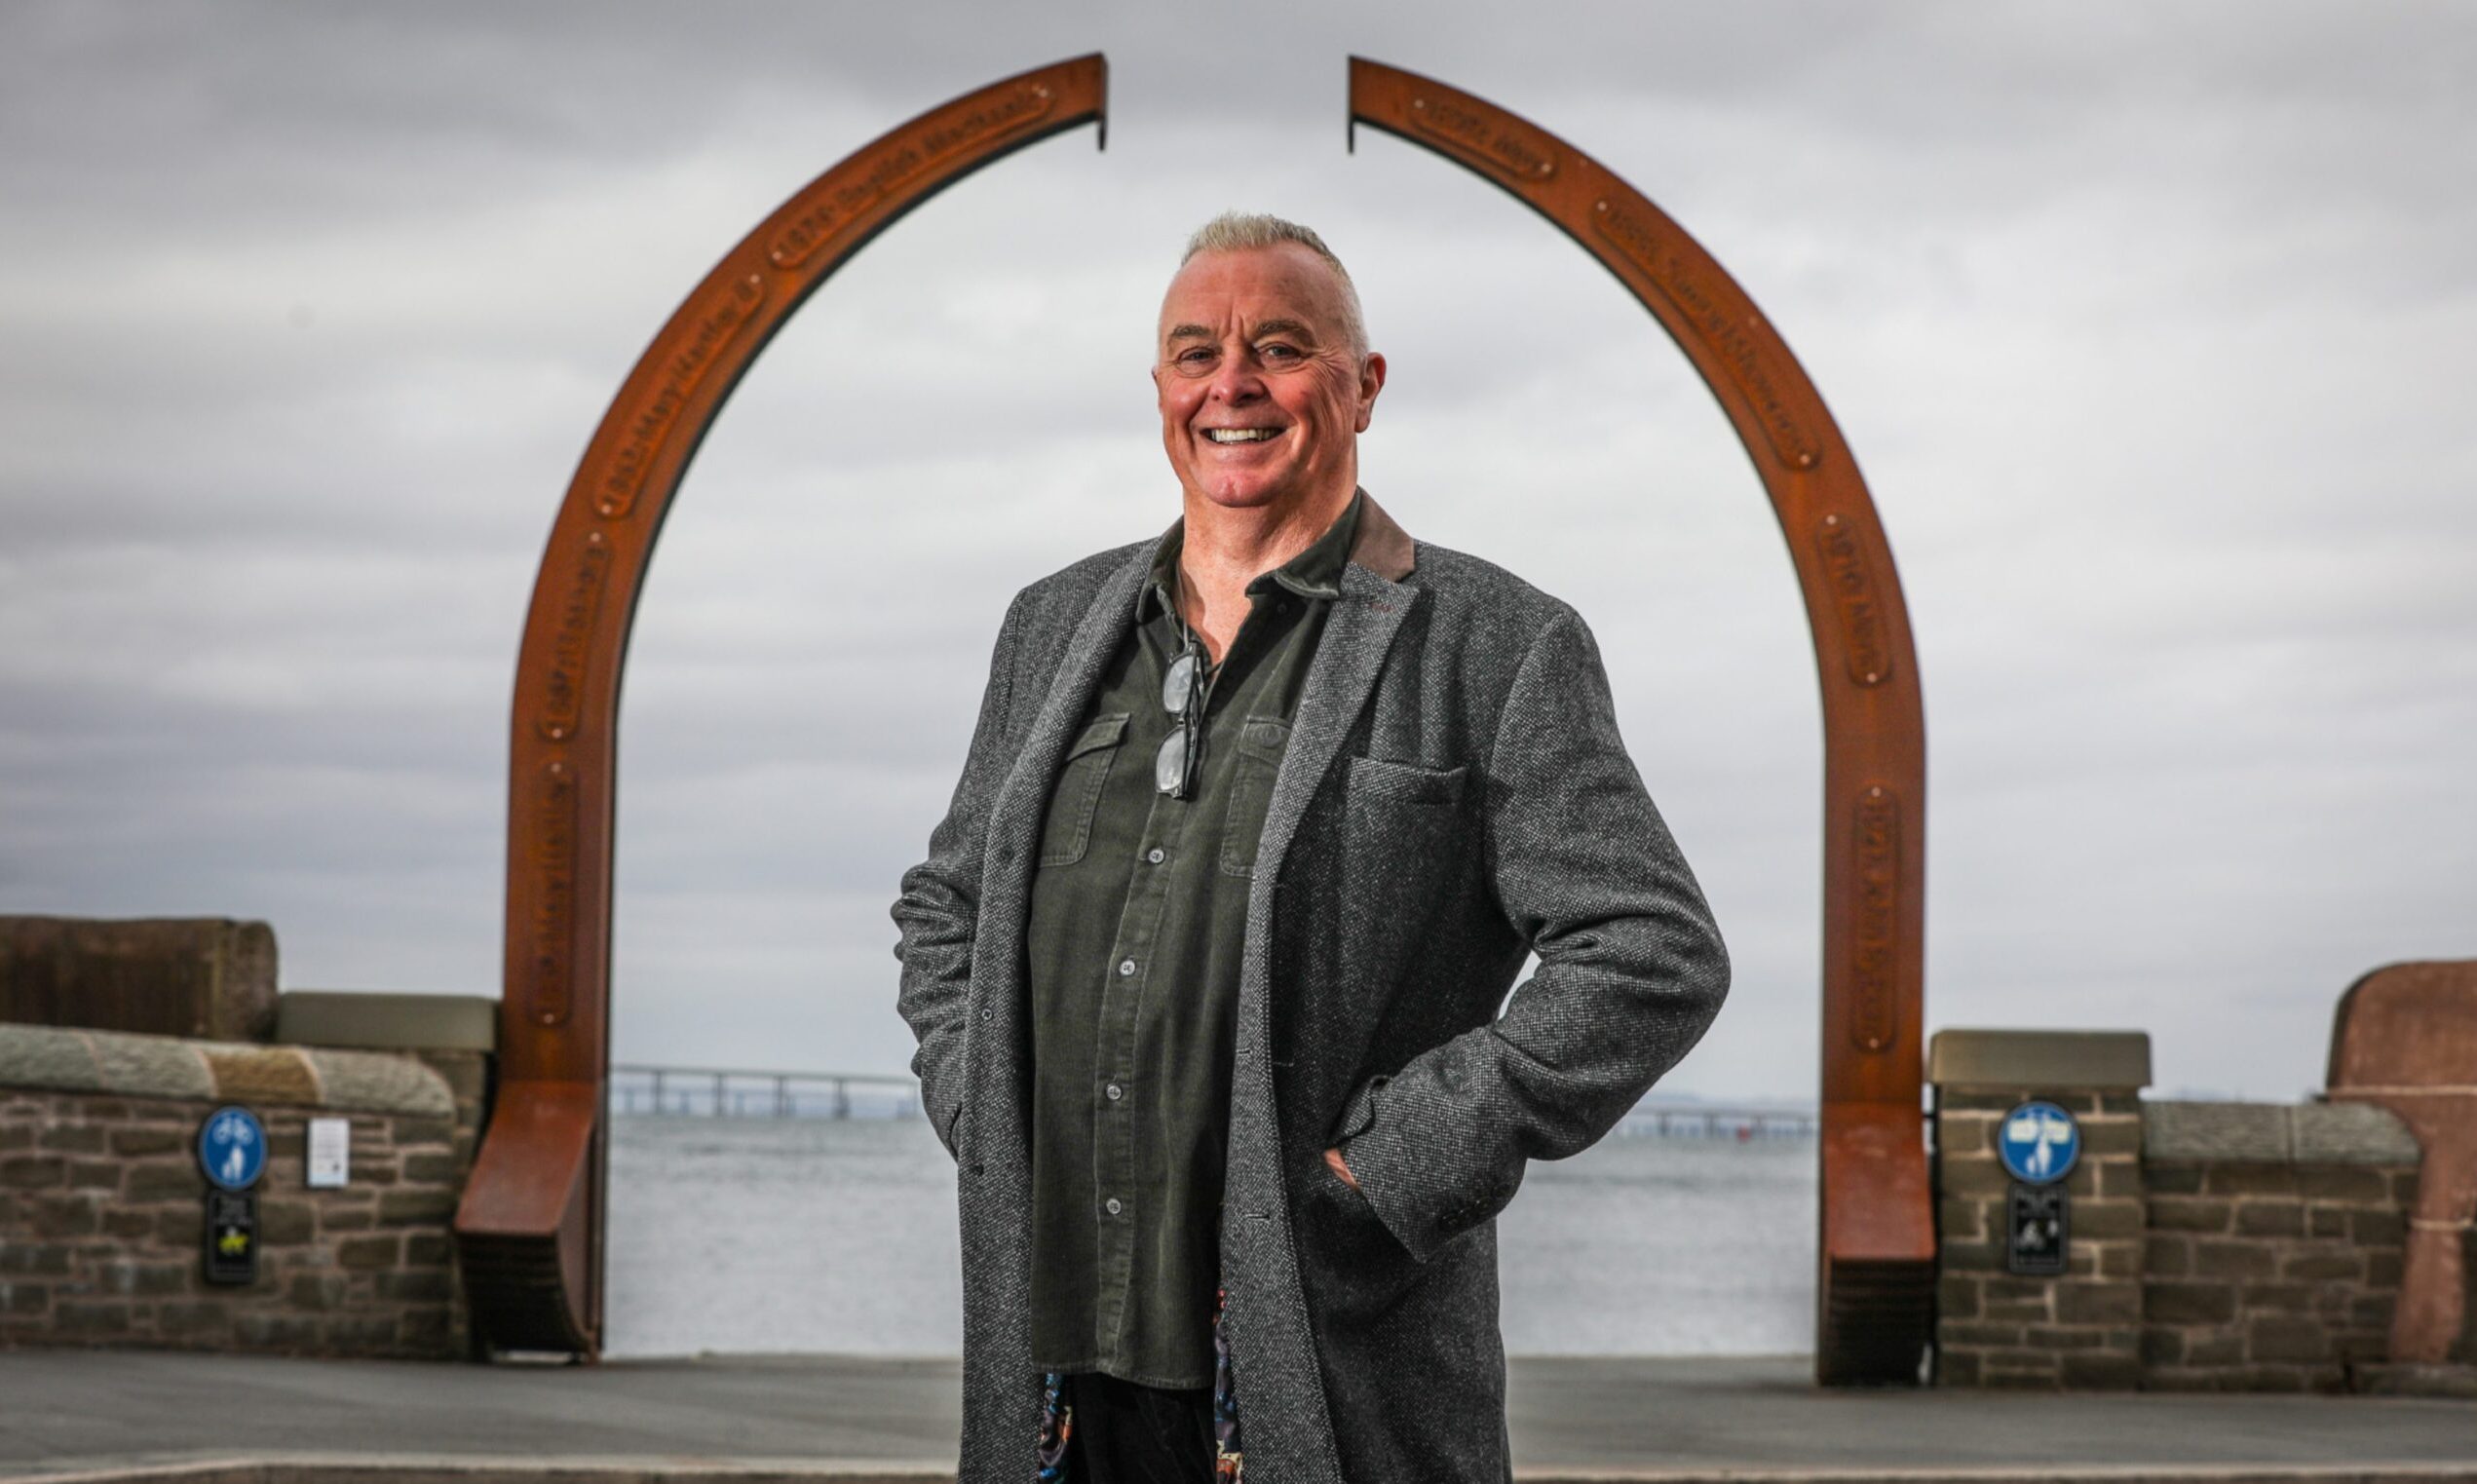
(2039,1230)
(232,1237)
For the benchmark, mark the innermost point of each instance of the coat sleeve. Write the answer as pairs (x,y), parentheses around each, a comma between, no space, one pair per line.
(938,908)
(1631,967)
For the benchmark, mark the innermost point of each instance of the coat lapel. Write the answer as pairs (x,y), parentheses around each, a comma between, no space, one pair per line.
(1272,1338)
(1358,632)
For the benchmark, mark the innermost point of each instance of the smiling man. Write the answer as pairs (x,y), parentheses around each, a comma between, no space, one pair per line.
(1260,819)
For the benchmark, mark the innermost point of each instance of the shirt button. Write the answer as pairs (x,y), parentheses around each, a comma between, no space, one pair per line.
(1114,1091)
(1126,967)
(1112,1206)
(1155,854)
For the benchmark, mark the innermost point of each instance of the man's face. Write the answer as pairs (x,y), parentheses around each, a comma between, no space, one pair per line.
(1262,398)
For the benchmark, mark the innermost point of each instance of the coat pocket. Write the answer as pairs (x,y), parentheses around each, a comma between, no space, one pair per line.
(1406,840)
(1068,829)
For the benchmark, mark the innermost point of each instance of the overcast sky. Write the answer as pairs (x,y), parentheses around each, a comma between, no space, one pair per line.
(2149,325)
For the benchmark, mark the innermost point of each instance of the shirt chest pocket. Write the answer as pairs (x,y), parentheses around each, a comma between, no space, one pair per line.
(1067,832)
(1260,743)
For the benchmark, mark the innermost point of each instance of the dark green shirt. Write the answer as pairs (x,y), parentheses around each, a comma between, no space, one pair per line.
(1139,910)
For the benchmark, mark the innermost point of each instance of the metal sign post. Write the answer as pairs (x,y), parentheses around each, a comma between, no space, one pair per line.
(2040,1142)
(232,1152)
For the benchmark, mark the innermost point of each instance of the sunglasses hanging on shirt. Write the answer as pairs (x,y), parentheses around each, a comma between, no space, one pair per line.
(1183,697)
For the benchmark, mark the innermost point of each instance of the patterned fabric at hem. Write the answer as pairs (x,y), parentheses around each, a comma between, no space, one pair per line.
(1057,1417)
(1057,1424)
(1229,1462)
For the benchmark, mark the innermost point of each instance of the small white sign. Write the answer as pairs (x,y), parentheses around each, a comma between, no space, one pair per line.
(331,1159)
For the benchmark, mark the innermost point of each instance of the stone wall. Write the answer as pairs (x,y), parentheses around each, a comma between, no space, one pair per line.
(2272,1257)
(102,1223)
(2079,1330)
(2213,1246)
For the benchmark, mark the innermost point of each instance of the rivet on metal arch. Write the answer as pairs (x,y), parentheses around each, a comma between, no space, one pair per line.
(1876,1289)
(529,1230)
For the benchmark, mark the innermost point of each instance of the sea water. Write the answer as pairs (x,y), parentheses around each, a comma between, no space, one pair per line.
(741,1235)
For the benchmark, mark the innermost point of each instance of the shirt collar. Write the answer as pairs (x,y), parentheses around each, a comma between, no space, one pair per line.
(1314,573)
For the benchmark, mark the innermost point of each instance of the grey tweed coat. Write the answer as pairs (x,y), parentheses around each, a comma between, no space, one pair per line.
(1454,796)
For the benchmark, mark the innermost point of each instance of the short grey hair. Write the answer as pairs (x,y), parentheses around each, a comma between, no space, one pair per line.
(1254,231)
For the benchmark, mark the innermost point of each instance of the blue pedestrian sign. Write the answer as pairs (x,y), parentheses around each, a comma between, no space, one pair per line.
(2040,1142)
(232,1148)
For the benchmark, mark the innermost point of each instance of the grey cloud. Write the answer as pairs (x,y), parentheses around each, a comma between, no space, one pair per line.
(2144,322)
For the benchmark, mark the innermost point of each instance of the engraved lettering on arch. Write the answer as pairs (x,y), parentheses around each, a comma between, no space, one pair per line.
(721,320)
(1501,143)
(579,604)
(848,195)
(1723,322)
(1876,963)
(553,924)
(1852,578)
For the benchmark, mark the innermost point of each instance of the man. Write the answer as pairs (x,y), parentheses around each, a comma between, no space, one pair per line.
(1259,822)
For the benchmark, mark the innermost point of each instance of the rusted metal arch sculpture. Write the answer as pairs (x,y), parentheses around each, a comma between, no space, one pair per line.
(529,1229)
(1876,1246)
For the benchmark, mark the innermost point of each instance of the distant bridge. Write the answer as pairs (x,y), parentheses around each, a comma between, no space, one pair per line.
(743,1092)
(640,1087)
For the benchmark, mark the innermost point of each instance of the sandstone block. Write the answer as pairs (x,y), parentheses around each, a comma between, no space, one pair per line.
(2233,1259)
(2166,1255)
(91,1319)
(166,1180)
(2171,1179)
(147,1139)
(381,1251)
(2172,1303)
(2278,1337)
(33,1172)
(285,1223)
(71,1138)
(2269,1218)
(2190,1213)
(426,1285)
(416,1207)
(2103,1220)
(1980,1334)
(2377,1228)
(2275,1298)
(2355,1184)
(2230,1179)
(2099,1304)
(1956,1297)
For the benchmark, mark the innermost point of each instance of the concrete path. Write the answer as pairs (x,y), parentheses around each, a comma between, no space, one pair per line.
(201,1417)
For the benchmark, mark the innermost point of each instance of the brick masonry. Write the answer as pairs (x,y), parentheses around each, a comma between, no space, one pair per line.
(2213,1247)
(2080,1330)
(2273,1255)
(102,1223)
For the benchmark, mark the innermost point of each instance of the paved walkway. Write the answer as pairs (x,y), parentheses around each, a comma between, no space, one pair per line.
(66,1411)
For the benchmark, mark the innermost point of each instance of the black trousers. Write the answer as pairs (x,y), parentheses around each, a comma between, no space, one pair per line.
(1125,1434)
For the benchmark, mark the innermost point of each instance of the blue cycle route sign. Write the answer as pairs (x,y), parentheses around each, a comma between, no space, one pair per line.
(232,1148)
(2039,1142)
